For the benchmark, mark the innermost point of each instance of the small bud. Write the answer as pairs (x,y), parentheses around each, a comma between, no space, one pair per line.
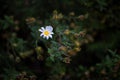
(24,73)
(62,73)
(55,17)
(60,16)
(22,54)
(25,79)
(55,12)
(40,57)
(13,34)
(11,56)
(67,60)
(16,22)
(76,35)
(87,73)
(72,14)
(62,48)
(103,72)
(86,15)
(39,50)
(26,53)
(30,20)
(77,43)
(12,17)
(72,25)
(92,68)
(17,59)
(71,52)
(67,32)
(90,38)
(16,28)
(77,49)
(81,17)
(15,44)
(33,77)
(82,33)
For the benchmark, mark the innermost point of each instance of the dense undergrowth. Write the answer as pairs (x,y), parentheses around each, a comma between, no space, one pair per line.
(84,46)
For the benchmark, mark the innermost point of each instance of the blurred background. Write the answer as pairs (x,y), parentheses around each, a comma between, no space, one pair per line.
(98,59)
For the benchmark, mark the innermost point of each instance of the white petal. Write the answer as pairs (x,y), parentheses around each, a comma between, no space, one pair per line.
(50,36)
(41,34)
(51,33)
(41,30)
(47,37)
(49,28)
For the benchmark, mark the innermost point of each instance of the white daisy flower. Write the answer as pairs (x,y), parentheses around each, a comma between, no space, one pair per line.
(46,32)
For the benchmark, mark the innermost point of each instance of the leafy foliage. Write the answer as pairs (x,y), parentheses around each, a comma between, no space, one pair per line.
(85,44)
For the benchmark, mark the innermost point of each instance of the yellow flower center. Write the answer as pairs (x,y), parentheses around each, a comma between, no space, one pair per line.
(46,33)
